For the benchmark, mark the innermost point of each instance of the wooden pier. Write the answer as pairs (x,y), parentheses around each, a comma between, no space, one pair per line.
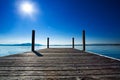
(58,64)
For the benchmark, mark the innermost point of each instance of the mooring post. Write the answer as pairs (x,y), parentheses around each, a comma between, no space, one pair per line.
(48,42)
(73,42)
(33,40)
(83,36)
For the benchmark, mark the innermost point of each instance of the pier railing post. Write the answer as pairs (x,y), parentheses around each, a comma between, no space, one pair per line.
(48,42)
(73,42)
(83,37)
(33,40)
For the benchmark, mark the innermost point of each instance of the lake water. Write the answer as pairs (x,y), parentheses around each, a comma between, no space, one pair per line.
(111,51)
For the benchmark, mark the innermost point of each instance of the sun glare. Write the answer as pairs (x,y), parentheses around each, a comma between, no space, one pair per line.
(27,8)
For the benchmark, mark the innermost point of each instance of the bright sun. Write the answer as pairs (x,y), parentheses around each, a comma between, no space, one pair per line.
(27,8)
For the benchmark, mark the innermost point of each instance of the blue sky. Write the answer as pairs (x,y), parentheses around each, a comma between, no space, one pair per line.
(61,20)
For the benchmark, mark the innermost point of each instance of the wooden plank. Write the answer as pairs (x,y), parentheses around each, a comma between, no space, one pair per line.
(59,63)
(43,68)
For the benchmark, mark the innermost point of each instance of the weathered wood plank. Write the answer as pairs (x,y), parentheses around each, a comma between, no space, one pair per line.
(59,64)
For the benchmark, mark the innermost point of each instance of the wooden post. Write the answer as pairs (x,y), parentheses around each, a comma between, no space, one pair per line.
(33,40)
(72,42)
(83,36)
(48,42)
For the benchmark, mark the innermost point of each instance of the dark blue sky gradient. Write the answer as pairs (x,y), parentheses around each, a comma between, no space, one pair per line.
(61,20)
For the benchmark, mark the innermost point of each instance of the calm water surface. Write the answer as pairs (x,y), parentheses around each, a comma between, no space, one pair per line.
(111,51)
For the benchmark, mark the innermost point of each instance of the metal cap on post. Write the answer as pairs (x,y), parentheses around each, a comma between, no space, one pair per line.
(48,42)
(33,40)
(73,42)
(83,36)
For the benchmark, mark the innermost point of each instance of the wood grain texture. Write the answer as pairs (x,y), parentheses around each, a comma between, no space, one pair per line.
(59,64)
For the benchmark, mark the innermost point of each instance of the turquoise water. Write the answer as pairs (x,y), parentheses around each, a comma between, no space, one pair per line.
(111,51)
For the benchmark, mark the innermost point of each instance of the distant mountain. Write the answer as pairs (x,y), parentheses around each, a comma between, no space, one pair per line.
(29,44)
(23,44)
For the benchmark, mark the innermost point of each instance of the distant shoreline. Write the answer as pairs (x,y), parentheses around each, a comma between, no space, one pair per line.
(29,44)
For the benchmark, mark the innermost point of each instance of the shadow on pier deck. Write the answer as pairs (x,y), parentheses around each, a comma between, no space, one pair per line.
(59,64)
